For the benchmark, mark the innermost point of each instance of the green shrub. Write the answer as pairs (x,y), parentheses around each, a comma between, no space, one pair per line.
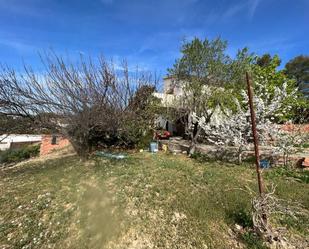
(299,222)
(252,240)
(200,157)
(241,217)
(301,176)
(17,155)
(305,145)
(145,140)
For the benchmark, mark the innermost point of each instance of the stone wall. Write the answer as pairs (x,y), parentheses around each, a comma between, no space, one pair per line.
(228,153)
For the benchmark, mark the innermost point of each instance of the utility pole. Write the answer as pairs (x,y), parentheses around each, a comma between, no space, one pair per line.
(255,136)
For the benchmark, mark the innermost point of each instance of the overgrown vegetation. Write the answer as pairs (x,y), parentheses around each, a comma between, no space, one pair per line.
(96,103)
(288,173)
(88,101)
(214,99)
(202,73)
(17,155)
(252,240)
(145,201)
(148,201)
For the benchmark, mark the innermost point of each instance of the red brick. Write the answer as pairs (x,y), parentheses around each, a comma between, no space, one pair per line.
(47,146)
(292,127)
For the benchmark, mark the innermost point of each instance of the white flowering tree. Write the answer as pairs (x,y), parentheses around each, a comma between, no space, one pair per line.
(290,142)
(233,128)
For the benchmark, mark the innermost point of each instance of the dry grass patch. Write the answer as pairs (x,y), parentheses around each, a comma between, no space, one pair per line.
(145,201)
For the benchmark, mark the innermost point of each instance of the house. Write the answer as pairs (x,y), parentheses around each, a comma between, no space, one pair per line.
(15,141)
(170,86)
(171,92)
(48,143)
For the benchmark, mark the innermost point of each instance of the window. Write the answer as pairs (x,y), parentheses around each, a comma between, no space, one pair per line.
(54,140)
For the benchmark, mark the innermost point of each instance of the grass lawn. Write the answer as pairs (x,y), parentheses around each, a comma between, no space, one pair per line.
(146,201)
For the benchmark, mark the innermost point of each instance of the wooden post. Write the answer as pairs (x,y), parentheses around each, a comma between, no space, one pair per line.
(255,136)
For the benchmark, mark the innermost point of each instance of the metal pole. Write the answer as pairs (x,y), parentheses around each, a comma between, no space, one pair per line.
(255,135)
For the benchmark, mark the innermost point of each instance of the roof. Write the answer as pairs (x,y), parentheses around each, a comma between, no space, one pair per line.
(19,138)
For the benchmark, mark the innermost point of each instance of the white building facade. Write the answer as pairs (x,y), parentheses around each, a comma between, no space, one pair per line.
(8,141)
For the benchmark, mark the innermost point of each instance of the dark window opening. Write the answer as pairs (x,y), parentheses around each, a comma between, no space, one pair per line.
(54,140)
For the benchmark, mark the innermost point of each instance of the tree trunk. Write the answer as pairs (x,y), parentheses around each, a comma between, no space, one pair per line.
(239,156)
(285,159)
(81,148)
(194,135)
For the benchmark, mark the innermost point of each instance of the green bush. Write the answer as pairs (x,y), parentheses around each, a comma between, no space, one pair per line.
(200,157)
(252,240)
(305,145)
(299,222)
(301,176)
(145,140)
(17,155)
(241,217)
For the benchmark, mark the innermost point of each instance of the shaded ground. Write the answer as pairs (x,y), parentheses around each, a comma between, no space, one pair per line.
(146,201)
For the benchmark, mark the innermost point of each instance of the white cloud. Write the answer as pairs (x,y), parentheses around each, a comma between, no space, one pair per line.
(249,5)
(17,45)
(253,4)
(233,10)
(32,8)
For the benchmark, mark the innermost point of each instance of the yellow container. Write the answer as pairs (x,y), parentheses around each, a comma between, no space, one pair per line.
(164,147)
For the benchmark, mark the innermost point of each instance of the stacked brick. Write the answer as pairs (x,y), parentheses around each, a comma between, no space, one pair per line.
(51,143)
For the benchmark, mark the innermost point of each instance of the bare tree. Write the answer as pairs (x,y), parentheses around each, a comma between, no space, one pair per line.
(87,101)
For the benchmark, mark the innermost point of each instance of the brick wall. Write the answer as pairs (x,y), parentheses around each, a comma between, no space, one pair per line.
(291,127)
(47,146)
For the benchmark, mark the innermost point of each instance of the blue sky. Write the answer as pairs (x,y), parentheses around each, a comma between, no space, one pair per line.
(149,32)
